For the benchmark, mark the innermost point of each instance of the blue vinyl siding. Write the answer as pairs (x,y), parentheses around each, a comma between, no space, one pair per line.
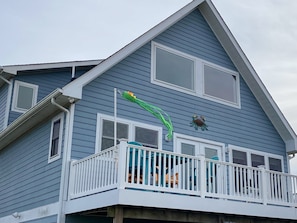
(247,127)
(3,104)
(47,81)
(26,179)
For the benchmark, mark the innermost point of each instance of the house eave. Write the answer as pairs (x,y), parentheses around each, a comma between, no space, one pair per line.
(5,77)
(39,66)
(37,114)
(249,75)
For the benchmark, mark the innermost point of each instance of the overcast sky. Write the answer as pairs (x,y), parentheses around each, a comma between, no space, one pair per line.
(35,31)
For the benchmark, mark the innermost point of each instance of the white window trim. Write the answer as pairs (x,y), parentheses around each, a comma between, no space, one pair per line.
(219,100)
(178,136)
(166,84)
(58,155)
(131,126)
(256,152)
(17,84)
(198,76)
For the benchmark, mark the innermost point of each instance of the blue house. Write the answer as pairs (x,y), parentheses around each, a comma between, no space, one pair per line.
(73,149)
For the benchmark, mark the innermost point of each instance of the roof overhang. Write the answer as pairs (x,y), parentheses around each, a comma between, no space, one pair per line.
(36,115)
(5,76)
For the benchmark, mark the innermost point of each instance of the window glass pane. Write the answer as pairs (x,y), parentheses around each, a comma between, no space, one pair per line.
(188,149)
(55,138)
(56,129)
(211,153)
(108,129)
(239,157)
(25,97)
(108,133)
(220,84)
(146,137)
(174,69)
(257,160)
(275,164)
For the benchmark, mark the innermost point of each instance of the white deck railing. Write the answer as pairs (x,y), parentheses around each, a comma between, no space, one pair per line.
(130,166)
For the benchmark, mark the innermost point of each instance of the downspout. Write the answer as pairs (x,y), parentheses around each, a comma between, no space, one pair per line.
(65,167)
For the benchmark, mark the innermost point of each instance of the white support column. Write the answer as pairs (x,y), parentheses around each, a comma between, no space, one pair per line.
(202,176)
(71,179)
(265,189)
(122,163)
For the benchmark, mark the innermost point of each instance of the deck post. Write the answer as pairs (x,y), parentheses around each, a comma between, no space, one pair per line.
(72,182)
(202,176)
(118,215)
(121,163)
(264,188)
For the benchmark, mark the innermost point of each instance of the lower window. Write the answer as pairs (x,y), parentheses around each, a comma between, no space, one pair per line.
(147,135)
(56,138)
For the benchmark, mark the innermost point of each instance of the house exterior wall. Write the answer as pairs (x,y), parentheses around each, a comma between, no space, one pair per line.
(245,127)
(27,180)
(47,81)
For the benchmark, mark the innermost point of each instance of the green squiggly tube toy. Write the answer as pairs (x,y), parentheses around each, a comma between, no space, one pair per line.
(157,112)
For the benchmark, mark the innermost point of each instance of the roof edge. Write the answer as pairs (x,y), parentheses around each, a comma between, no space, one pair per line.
(16,128)
(250,76)
(14,68)
(75,87)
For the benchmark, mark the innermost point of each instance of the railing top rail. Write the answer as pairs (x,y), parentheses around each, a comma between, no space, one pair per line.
(95,155)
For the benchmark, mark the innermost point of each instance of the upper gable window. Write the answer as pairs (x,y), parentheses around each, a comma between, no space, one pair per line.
(24,96)
(174,69)
(220,84)
(179,71)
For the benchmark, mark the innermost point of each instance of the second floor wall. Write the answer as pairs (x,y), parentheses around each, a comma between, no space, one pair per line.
(244,125)
(28,87)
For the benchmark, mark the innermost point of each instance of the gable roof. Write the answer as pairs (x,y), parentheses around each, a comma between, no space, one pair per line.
(232,48)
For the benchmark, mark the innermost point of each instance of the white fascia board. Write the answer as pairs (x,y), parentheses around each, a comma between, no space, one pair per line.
(250,76)
(14,68)
(74,88)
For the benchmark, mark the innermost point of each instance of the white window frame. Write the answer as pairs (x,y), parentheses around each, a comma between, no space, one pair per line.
(181,137)
(131,129)
(256,152)
(198,76)
(216,99)
(164,83)
(17,84)
(58,155)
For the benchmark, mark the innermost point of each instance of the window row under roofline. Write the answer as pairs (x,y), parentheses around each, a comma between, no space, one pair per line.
(201,83)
